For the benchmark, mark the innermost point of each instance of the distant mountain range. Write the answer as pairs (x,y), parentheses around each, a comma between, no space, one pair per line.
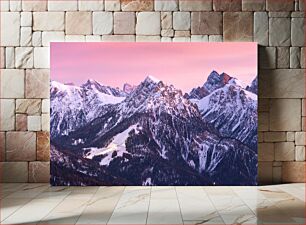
(154,134)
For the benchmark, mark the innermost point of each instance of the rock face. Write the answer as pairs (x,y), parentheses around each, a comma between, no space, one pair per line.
(154,135)
(84,104)
(214,81)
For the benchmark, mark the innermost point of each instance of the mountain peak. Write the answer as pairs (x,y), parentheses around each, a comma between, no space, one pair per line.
(216,80)
(89,82)
(128,88)
(150,78)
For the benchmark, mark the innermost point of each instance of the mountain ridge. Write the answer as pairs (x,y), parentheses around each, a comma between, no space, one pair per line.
(153,132)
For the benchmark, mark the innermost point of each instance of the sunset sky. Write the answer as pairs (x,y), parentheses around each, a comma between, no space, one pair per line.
(185,65)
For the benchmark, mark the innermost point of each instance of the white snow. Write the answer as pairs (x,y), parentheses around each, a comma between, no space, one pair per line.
(117,144)
(235,81)
(147,182)
(154,79)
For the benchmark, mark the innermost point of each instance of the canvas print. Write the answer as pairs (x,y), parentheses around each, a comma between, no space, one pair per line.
(153,114)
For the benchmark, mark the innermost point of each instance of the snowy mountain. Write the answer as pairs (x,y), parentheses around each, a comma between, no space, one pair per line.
(72,106)
(214,81)
(254,86)
(157,136)
(229,108)
(232,112)
(128,88)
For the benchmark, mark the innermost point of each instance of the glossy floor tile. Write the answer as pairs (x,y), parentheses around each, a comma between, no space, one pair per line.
(42,204)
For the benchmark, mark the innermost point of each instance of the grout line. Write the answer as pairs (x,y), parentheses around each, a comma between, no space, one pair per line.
(116,205)
(86,202)
(149,205)
(179,205)
(217,211)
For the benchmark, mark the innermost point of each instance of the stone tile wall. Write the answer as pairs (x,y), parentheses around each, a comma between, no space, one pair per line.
(28,27)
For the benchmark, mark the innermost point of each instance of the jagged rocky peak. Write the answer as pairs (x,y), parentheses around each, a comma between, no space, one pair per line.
(216,80)
(150,79)
(254,86)
(95,85)
(128,88)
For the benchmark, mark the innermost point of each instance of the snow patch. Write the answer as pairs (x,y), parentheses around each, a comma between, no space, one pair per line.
(117,145)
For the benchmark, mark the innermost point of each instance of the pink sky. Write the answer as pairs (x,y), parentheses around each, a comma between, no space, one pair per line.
(185,65)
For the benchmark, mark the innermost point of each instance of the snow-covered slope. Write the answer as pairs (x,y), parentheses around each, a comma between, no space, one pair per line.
(232,112)
(72,106)
(214,81)
(158,136)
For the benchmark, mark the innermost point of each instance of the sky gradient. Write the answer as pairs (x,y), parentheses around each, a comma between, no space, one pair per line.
(185,65)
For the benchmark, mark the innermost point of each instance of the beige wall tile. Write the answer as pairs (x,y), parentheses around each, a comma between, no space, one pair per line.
(39,172)
(181,21)
(34,5)
(265,173)
(26,19)
(112,5)
(119,38)
(43,146)
(281,83)
(261,28)
(10,28)
(88,5)
(10,57)
(52,36)
(12,83)
(20,146)
(56,5)
(265,152)
(24,57)
(14,172)
(203,5)
(15,6)
(2,57)
(137,5)
(124,22)
(78,23)
(48,21)
(284,151)
(41,57)
(143,28)
(253,5)
(281,5)
(290,136)
(147,38)
(293,172)
(45,122)
(28,106)
(7,114)
(279,32)
(34,123)
(21,122)
(206,23)
(75,38)
(2,146)
(300,138)
(275,136)
(229,5)
(25,36)
(37,83)
(285,115)
(102,22)
(169,5)
(300,153)
(45,106)
(238,26)
(283,57)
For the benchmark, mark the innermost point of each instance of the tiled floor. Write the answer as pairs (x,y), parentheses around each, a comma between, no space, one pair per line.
(41,204)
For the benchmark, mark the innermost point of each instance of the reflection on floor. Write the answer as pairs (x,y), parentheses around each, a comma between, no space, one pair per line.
(42,204)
